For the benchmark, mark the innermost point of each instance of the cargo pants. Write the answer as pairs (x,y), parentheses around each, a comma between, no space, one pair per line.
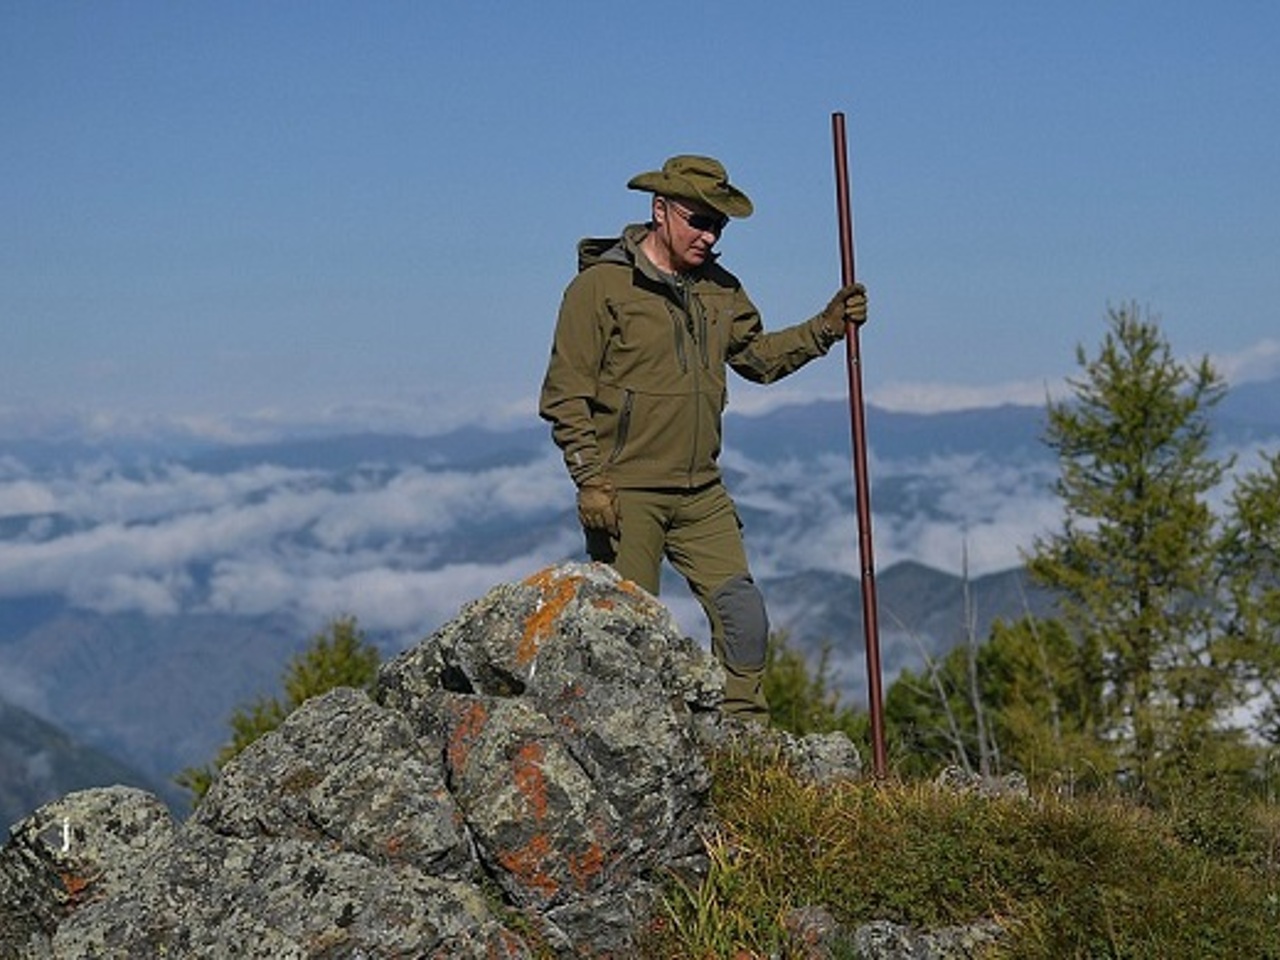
(698,531)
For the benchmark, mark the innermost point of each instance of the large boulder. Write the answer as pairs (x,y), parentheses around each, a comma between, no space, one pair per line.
(535,766)
(565,704)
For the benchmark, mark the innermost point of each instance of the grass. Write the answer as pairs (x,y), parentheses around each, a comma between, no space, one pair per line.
(1091,877)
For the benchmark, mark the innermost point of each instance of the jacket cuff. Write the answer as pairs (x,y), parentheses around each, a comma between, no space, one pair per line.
(822,335)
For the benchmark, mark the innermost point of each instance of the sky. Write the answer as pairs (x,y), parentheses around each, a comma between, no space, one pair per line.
(237,213)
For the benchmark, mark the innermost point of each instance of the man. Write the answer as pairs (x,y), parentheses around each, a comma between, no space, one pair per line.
(635,390)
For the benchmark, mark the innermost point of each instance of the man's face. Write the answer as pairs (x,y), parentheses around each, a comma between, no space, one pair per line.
(689,231)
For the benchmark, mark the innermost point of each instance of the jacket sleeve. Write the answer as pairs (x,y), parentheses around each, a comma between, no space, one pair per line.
(763,357)
(569,386)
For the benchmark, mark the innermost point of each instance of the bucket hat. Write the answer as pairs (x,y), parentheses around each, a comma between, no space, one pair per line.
(701,179)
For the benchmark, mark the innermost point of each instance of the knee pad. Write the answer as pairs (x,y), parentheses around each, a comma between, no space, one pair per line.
(746,623)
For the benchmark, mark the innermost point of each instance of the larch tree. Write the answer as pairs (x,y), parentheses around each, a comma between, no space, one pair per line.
(1251,577)
(1135,562)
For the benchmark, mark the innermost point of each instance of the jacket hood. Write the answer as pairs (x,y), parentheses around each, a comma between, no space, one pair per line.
(623,250)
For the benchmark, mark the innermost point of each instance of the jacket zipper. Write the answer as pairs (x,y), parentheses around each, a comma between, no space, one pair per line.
(691,302)
(677,332)
(702,333)
(680,324)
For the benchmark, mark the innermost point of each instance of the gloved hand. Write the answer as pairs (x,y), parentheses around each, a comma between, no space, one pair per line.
(849,305)
(598,505)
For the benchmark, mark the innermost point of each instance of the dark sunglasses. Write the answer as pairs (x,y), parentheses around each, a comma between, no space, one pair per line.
(702,222)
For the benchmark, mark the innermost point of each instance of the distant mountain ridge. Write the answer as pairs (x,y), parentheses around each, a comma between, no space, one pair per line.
(39,763)
(1249,410)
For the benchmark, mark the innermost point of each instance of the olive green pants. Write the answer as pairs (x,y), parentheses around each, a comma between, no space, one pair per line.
(698,531)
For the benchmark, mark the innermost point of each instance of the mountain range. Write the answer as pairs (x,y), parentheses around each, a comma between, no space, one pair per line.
(149,589)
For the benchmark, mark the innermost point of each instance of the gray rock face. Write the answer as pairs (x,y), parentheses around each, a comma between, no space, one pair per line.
(565,704)
(86,847)
(535,764)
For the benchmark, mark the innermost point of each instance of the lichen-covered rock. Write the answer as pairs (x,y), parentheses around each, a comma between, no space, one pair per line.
(813,933)
(88,846)
(219,896)
(343,770)
(957,780)
(884,940)
(537,758)
(818,758)
(565,703)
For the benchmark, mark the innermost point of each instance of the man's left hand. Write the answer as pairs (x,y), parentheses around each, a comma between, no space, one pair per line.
(849,305)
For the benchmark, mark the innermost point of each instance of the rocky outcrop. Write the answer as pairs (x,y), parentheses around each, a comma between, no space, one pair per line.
(523,779)
(520,784)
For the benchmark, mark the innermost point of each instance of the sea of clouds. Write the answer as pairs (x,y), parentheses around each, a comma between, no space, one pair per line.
(402,546)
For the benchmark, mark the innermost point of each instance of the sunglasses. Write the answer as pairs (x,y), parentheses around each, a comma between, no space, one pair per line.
(702,222)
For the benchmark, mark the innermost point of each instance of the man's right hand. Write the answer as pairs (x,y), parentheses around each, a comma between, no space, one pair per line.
(598,505)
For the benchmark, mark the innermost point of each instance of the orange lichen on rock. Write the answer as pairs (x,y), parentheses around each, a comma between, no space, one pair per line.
(75,885)
(529,864)
(557,592)
(529,778)
(586,866)
(471,720)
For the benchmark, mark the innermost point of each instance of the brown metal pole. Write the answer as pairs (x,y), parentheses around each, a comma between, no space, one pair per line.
(857,419)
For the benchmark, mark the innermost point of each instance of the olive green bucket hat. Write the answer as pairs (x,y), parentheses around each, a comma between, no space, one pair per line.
(700,179)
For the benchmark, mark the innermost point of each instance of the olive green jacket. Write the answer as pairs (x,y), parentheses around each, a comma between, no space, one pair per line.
(636,386)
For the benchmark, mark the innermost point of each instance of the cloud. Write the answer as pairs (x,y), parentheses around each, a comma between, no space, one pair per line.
(23,497)
(157,595)
(425,414)
(372,542)
(1261,361)
(379,588)
(1258,362)
(959,506)
(402,547)
(908,397)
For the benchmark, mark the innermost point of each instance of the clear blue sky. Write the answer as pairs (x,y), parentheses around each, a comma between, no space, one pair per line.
(223,209)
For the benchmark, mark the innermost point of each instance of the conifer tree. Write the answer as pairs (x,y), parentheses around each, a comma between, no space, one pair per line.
(804,700)
(1251,561)
(1134,562)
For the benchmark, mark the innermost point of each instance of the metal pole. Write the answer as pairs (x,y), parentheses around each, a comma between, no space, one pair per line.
(857,419)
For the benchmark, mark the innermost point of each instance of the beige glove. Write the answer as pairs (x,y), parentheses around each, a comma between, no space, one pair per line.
(849,305)
(598,505)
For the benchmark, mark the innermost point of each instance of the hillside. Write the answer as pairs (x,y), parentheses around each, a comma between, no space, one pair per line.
(39,763)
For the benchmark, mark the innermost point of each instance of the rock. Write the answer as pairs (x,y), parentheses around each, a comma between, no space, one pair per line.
(814,934)
(565,704)
(218,896)
(345,771)
(823,759)
(535,764)
(89,846)
(883,940)
(959,780)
